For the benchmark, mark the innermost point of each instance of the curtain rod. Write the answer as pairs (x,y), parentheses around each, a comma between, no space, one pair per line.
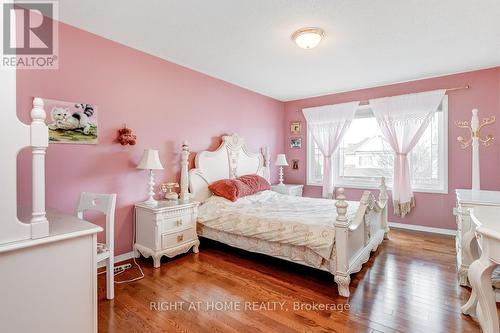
(447,91)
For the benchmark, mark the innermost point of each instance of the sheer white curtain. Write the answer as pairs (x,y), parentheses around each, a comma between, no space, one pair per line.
(328,124)
(403,119)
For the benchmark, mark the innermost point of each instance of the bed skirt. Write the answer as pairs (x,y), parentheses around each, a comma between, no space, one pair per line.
(297,254)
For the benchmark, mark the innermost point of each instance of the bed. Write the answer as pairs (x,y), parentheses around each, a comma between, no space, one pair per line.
(331,235)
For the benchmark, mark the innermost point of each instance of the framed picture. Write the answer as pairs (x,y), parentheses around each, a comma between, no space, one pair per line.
(295,127)
(71,122)
(296,143)
(295,164)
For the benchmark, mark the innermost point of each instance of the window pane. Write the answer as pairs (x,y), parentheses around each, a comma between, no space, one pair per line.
(424,158)
(315,164)
(364,152)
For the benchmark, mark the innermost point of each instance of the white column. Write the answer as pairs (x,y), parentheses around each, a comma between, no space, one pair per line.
(39,144)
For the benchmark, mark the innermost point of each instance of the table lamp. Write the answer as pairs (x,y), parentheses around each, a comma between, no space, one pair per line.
(281,162)
(150,161)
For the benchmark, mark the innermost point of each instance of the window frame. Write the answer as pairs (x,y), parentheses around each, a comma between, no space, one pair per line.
(374,183)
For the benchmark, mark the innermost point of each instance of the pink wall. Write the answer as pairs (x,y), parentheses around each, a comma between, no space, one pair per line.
(433,210)
(162,102)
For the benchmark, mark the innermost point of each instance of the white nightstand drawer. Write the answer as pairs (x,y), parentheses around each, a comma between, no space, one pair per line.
(172,223)
(177,238)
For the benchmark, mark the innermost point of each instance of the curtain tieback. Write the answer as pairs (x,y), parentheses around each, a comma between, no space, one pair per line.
(402,154)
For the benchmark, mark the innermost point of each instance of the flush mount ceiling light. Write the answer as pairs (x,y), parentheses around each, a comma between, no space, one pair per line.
(308,38)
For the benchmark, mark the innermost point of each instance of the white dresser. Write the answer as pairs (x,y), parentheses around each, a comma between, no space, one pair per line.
(289,189)
(167,229)
(466,244)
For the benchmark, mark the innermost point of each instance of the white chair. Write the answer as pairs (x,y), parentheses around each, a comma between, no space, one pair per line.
(104,203)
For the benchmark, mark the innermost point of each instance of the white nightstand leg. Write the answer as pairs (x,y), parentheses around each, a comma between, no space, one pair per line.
(137,254)
(156,261)
(196,247)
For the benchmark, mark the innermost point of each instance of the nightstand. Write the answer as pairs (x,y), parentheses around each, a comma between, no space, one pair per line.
(167,229)
(290,189)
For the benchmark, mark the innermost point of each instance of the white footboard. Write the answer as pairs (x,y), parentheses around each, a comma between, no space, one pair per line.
(355,239)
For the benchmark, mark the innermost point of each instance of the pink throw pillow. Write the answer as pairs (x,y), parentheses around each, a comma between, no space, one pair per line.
(256,183)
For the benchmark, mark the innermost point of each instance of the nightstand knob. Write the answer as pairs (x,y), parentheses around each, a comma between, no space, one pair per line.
(179,223)
(180,238)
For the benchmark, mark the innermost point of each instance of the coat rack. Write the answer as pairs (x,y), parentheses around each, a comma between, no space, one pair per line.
(475,138)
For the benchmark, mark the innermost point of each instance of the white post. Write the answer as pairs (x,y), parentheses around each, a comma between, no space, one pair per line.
(184,195)
(476,178)
(342,277)
(39,143)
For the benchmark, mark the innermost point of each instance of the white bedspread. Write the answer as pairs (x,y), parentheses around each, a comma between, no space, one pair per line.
(275,217)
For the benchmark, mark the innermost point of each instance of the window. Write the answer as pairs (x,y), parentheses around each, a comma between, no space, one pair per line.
(364,155)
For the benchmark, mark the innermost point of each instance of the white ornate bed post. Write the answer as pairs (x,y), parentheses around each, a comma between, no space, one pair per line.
(342,277)
(383,198)
(267,164)
(184,195)
(39,144)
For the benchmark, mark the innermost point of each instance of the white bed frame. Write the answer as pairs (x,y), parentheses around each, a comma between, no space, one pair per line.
(354,239)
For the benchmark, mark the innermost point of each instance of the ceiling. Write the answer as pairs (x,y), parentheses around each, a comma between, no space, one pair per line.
(247,42)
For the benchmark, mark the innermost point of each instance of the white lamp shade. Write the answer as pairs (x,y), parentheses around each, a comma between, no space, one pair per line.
(150,160)
(281,160)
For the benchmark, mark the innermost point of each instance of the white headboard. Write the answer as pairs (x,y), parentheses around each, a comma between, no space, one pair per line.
(230,160)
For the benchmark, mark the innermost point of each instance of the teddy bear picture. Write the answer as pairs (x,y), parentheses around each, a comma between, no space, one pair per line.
(70,122)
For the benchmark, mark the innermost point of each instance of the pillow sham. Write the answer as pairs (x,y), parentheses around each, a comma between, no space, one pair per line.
(256,183)
(232,189)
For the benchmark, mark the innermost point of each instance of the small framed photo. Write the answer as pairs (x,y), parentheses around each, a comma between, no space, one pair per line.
(295,164)
(295,127)
(296,143)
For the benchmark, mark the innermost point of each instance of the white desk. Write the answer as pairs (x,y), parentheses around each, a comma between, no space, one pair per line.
(482,300)
(49,284)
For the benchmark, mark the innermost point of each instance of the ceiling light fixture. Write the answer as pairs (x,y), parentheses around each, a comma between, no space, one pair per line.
(308,38)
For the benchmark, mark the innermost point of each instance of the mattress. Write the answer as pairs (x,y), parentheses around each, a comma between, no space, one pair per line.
(277,218)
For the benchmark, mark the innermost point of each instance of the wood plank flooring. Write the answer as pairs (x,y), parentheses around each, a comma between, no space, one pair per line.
(409,285)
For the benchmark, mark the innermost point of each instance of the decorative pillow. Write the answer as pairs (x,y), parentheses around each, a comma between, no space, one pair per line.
(231,189)
(256,183)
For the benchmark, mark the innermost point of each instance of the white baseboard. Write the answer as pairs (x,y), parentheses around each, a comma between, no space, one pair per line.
(119,258)
(431,230)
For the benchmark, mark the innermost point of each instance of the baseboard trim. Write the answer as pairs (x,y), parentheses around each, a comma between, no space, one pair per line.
(118,258)
(431,230)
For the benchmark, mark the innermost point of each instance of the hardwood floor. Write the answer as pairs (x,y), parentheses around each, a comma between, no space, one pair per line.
(409,285)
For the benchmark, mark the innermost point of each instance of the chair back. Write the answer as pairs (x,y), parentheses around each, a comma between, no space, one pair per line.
(104,203)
